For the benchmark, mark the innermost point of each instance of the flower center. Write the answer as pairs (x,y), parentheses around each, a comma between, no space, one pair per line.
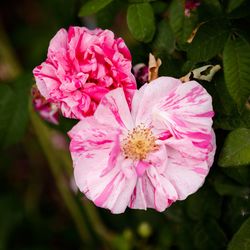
(138,143)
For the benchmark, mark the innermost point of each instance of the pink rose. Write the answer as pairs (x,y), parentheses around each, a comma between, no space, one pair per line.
(83,65)
(151,156)
(47,110)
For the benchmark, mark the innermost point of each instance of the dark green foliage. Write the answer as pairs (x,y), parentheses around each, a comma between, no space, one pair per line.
(140,18)
(241,239)
(208,41)
(236,61)
(216,217)
(14,99)
(93,6)
(236,150)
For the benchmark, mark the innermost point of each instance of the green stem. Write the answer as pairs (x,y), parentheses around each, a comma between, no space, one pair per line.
(44,137)
(13,69)
(56,158)
(97,224)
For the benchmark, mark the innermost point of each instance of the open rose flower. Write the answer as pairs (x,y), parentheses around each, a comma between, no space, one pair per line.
(83,65)
(151,156)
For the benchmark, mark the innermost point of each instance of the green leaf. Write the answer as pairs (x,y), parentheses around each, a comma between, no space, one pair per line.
(208,41)
(208,235)
(10,216)
(235,212)
(210,9)
(204,203)
(228,122)
(236,60)
(224,186)
(184,239)
(14,111)
(181,25)
(223,102)
(233,4)
(241,239)
(240,174)
(165,40)
(227,115)
(236,149)
(140,1)
(6,105)
(93,6)
(141,23)
(242,11)
(105,17)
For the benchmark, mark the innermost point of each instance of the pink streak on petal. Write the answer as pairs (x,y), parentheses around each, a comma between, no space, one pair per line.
(105,194)
(201,171)
(141,168)
(112,157)
(113,109)
(207,114)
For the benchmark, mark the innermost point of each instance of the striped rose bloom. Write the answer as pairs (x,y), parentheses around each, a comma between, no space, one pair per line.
(82,66)
(158,152)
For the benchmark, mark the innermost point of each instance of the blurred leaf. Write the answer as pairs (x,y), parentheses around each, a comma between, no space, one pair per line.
(212,4)
(223,101)
(236,210)
(93,6)
(175,212)
(185,235)
(236,61)
(225,186)
(233,4)
(181,25)
(204,203)
(140,1)
(245,115)
(228,122)
(164,40)
(10,216)
(106,17)
(242,11)
(121,243)
(241,239)
(170,65)
(209,9)
(6,97)
(141,23)
(165,237)
(208,41)
(176,16)
(14,110)
(208,235)
(159,7)
(236,149)
(239,174)
(227,116)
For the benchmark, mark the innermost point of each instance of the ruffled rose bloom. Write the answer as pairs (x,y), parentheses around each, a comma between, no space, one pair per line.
(151,156)
(47,110)
(81,67)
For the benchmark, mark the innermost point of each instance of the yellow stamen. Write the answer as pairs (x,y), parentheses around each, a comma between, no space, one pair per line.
(138,143)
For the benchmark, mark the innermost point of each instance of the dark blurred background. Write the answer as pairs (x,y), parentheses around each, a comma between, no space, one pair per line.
(39,205)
